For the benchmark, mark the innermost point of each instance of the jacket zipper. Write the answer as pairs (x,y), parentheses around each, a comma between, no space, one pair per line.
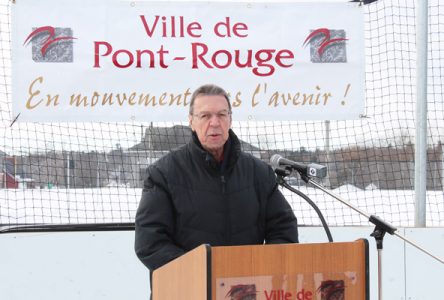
(222,179)
(227,215)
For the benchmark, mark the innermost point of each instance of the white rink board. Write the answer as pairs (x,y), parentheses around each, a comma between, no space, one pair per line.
(102,265)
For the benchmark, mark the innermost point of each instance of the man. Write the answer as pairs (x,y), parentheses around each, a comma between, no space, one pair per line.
(209,191)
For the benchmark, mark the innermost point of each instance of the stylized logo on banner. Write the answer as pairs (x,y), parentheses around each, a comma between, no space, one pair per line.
(327,46)
(51,44)
(242,292)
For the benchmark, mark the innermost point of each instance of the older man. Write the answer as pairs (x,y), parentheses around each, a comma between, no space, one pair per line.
(209,191)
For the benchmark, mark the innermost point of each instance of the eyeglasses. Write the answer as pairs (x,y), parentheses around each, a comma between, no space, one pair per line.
(206,116)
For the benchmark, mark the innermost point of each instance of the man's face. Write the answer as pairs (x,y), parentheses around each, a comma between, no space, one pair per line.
(211,121)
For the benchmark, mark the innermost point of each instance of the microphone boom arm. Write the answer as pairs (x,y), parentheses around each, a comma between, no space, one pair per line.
(381,226)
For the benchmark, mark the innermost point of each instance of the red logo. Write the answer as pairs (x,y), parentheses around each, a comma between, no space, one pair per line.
(332,290)
(51,39)
(327,41)
(242,292)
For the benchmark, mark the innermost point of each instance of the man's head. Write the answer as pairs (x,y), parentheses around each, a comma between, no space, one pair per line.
(210,118)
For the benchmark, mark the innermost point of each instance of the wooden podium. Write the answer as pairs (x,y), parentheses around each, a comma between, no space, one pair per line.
(269,272)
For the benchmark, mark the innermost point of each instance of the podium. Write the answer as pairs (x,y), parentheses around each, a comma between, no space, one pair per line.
(318,271)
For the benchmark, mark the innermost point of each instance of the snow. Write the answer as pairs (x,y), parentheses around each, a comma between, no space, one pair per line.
(394,206)
(119,204)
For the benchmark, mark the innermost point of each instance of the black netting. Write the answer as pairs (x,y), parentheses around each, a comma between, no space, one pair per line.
(77,173)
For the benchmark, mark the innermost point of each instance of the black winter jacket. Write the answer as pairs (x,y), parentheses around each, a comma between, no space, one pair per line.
(188,199)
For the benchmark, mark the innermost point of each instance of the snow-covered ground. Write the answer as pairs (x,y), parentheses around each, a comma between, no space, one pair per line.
(394,206)
(119,204)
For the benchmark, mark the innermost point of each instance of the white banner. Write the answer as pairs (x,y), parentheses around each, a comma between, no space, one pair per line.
(111,60)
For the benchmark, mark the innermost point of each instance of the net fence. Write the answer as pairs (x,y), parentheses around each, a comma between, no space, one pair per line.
(92,173)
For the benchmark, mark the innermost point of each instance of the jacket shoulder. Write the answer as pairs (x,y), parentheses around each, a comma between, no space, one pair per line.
(166,166)
(262,170)
(165,162)
(259,163)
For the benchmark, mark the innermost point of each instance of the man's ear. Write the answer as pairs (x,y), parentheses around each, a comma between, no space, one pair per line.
(190,121)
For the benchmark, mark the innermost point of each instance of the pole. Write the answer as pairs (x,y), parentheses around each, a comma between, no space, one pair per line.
(327,152)
(151,143)
(442,167)
(67,170)
(98,173)
(421,115)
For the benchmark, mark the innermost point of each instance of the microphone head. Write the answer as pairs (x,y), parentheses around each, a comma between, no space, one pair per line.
(274,161)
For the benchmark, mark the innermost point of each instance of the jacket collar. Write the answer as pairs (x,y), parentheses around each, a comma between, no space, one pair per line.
(232,151)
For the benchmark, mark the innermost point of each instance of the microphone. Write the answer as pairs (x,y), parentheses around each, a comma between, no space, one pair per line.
(310,170)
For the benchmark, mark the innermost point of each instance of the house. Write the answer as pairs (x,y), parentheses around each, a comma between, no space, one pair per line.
(8,181)
(164,139)
(8,178)
(160,140)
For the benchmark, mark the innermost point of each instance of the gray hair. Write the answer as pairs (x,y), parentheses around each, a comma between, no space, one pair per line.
(209,89)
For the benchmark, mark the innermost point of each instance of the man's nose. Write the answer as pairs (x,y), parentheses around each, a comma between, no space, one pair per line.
(214,120)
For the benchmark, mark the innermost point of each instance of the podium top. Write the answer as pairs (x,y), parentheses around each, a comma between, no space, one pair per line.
(278,272)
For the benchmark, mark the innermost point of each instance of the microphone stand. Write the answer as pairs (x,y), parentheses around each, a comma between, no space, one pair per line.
(381,228)
(281,173)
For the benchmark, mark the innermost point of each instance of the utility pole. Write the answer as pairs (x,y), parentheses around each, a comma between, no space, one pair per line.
(421,114)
